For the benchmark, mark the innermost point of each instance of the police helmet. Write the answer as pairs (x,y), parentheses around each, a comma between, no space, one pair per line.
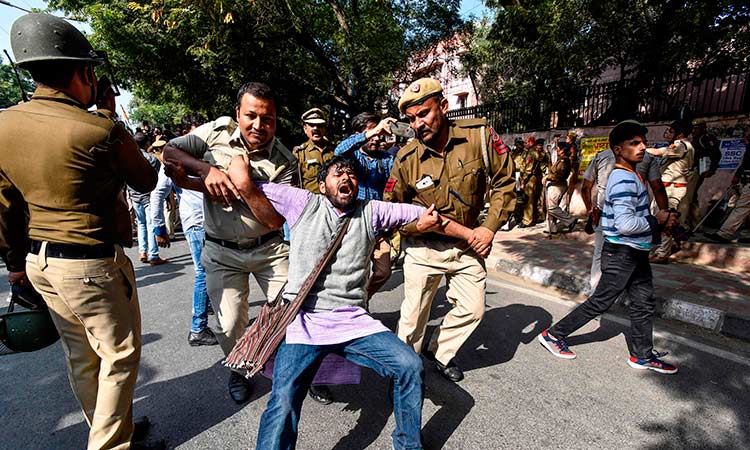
(43,37)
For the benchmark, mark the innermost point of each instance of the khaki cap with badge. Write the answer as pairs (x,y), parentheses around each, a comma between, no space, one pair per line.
(315,116)
(418,92)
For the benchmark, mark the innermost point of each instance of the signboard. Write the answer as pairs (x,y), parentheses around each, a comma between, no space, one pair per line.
(589,148)
(732,151)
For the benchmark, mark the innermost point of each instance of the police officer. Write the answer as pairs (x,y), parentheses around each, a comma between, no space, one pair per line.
(706,162)
(531,175)
(317,150)
(556,183)
(78,219)
(241,239)
(450,164)
(677,172)
(544,160)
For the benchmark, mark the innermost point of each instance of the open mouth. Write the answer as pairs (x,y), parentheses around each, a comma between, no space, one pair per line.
(345,190)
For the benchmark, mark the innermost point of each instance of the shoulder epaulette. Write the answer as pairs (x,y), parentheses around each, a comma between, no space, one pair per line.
(407,150)
(223,122)
(471,123)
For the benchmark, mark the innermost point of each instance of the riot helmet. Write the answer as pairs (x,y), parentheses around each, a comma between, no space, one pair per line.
(43,37)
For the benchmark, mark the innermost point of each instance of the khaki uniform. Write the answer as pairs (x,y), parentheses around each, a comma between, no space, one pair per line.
(311,157)
(557,180)
(456,181)
(531,175)
(706,148)
(544,164)
(257,249)
(60,158)
(678,176)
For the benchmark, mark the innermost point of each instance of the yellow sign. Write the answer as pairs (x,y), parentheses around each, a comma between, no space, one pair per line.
(589,148)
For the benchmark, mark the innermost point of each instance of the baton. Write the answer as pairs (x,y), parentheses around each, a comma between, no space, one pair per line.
(712,209)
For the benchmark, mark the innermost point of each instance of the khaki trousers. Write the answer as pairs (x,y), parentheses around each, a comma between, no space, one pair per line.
(228,283)
(94,305)
(381,266)
(738,215)
(678,199)
(529,209)
(555,193)
(425,264)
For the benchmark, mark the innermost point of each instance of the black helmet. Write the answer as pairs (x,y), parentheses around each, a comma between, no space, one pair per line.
(43,37)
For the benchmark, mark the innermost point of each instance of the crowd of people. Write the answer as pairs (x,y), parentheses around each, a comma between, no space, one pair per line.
(316,223)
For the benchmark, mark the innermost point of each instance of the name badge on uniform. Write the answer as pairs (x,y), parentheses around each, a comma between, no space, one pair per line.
(425,182)
(312,161)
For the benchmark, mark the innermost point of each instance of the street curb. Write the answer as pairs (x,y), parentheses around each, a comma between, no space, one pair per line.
(682,310)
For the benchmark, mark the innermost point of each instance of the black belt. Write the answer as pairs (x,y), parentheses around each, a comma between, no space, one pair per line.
(257,242)
(74,251)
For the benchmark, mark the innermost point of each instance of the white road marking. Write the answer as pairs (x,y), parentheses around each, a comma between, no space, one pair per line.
(619,320)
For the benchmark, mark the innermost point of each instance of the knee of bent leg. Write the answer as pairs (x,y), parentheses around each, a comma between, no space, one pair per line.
(409,365)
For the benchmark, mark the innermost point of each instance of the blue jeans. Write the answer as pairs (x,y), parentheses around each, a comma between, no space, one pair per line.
(295,368)
(146,236)
(195,237)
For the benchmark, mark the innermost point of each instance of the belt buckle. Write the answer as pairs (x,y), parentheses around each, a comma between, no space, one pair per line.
(249,245)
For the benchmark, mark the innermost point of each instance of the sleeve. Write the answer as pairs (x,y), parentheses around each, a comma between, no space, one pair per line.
(676,152)
(287,176)
(163,187)
(397,191)
(590,173)
(502,182)
(623,195)
(287,200)
(14,240)
(196,142)
(654,169)
(352,142)
(392,215)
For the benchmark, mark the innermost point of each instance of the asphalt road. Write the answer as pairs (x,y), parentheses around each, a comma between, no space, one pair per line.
(515,395)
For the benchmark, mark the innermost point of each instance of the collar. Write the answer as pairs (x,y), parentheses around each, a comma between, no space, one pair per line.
(237,139)
(56,95)
(453,135)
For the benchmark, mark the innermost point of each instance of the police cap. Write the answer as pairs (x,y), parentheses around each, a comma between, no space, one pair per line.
(314,116)
(418,92)
(699,122)
(43,37)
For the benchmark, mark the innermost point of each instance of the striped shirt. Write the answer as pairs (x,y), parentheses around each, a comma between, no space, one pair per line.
(626,208)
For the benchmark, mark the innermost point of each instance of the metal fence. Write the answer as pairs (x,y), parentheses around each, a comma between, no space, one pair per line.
(607,103)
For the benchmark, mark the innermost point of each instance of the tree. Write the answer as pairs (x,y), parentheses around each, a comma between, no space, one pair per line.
(10,93)
(342,54)
(545,48)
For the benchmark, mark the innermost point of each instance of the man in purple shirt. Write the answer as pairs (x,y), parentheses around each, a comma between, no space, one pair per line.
(333,318)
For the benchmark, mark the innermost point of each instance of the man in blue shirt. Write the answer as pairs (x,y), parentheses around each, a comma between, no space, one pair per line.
(373,169)
(630,231)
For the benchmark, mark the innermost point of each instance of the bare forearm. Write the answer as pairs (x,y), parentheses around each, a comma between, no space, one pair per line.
(456,230)
(192,165)
(261,207)
(660,194)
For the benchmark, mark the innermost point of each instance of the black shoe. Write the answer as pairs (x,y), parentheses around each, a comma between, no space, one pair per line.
(210,310)
(523,225)
(321,394)
(449,371)
(239,388)
(203,337)
(150,445)
(141,425)
(572,225)
(718,238)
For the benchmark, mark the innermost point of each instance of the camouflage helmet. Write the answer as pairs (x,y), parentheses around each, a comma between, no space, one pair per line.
(43,37)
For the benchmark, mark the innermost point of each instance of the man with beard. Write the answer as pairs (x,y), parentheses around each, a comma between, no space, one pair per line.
(240,238)
(453,165)
(333,318)
(315,152)
(373,168)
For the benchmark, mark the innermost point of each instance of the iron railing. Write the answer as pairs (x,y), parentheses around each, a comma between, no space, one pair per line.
(607,103)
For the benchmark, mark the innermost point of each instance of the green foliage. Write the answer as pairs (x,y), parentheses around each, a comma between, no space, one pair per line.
(10,94)
(546,47)
(339,54)
(157,114)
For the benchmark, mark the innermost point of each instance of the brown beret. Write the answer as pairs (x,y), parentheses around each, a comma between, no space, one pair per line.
(418,92)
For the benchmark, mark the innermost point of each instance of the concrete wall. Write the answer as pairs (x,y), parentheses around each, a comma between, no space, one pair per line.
(712,189)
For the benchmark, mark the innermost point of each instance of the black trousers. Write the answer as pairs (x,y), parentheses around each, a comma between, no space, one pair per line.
(623,269)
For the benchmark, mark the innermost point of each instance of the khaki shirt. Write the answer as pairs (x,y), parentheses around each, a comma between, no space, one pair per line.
(311,157)
(677,162)
(456,179)
(60,159)
(217,143)
(560,171)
